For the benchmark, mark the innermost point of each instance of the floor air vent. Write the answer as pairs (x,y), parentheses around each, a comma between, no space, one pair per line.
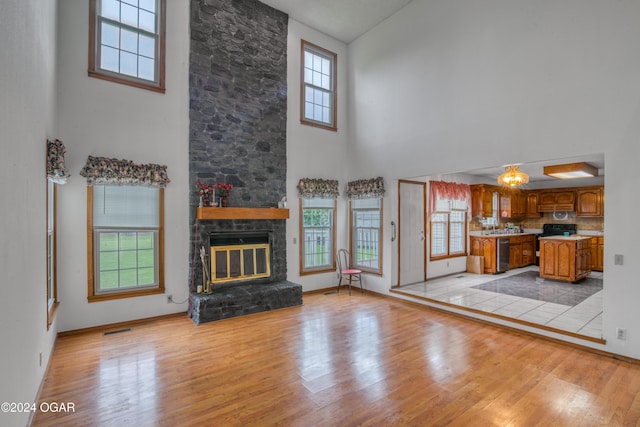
(330,293)
(117,331)
(461,277)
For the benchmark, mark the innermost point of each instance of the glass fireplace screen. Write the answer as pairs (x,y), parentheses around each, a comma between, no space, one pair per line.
(239,262)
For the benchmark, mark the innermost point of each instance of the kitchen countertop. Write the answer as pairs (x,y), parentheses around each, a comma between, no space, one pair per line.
(572,237)
(502,234)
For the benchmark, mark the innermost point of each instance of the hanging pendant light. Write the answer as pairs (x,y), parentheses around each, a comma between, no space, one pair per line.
(513,177)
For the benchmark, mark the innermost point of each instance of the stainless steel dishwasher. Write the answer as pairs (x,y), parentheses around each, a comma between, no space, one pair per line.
(502,254)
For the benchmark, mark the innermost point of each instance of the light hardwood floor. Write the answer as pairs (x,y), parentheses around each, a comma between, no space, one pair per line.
(339,360)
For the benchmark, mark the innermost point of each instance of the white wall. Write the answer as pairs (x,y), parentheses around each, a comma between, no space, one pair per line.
(314,152)
(27,120)
(102,118)
(444,87)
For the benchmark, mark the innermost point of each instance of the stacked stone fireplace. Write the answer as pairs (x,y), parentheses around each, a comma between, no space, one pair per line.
(237,121)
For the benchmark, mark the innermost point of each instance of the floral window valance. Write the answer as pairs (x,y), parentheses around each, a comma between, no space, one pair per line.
(365,188)
(318,188)
(104,170)
(448,191)
(56,170)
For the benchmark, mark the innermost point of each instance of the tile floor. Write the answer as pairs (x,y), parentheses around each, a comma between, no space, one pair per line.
(584,318)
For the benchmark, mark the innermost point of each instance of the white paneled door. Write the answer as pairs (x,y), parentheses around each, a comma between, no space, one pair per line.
(411,232)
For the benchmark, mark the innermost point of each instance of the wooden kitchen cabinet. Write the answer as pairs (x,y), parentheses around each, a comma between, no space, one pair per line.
(565,258)
(513,204)
(529,251)
(531,209)
(556,200)
(486,247)
(597,253)
(482,200)
(518,204)
(515,253)
(522,250)
(590,202)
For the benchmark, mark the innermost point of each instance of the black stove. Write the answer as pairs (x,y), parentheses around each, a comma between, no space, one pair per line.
(558,229)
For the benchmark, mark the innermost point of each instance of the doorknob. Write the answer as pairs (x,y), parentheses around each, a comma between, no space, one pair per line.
(393,231)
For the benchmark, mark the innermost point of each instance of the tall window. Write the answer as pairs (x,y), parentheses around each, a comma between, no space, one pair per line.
(126,42)
(318,87)
(317,235)
(126,240)
(366,230)
(448,233)
(52,286)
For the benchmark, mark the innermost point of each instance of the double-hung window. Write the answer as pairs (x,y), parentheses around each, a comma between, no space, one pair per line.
(318,87)
(125,238)
(366,231)
(448,231)
(317,235)
(126,42)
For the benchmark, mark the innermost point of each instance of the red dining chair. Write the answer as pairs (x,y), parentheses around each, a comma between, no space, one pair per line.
(345,271)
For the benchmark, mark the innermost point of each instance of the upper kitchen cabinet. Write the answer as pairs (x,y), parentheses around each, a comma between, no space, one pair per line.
(556,200)
(518,204)
(531,210)
(513,204)
(482,200)
(590,201)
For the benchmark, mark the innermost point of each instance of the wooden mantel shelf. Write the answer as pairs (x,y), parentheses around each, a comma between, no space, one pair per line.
(242,213)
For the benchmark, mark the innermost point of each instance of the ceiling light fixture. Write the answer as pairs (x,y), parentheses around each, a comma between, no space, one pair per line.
(513,177)
(571,171)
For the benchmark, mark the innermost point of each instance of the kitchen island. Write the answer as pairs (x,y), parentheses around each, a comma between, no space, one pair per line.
(565,258)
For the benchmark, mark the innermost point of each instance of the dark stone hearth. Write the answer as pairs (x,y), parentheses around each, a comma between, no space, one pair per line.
(244,299)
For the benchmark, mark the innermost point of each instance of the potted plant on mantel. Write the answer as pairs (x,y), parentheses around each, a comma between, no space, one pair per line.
(206,192)
(224,191)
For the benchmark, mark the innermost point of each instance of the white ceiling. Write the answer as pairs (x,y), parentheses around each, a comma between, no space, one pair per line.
(344,20)
(537,178)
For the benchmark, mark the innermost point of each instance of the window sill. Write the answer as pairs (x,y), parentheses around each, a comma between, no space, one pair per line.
(368,270)
(127,294)
(318,271)
(128,82)
(319,125)
(440,258)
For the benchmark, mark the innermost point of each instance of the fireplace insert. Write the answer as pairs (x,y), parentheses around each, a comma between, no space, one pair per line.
(239,256)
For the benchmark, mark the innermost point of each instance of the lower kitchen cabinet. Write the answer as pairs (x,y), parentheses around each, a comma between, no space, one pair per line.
(486,247)
(522,251)
(515,254)
(597,253)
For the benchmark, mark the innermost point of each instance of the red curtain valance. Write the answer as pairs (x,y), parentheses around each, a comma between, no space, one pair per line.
(448,191)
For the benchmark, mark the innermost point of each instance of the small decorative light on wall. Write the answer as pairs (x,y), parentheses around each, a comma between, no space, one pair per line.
(571,170)
(513,177)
